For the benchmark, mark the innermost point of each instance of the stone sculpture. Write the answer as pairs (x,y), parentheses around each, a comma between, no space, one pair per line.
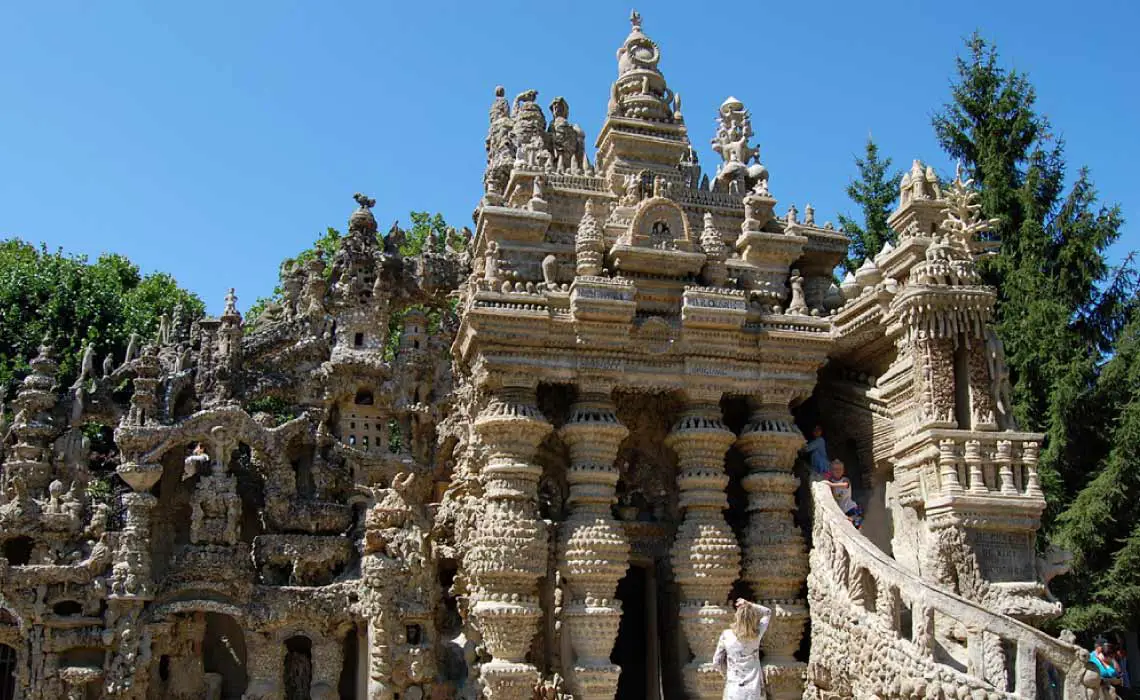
(536,462)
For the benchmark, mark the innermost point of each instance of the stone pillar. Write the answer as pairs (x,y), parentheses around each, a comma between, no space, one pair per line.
(982,408)
(593,551)
(775,558)
(328,658)
(508,553)
(705,556)
(934,360)
(265,664)
(380,656)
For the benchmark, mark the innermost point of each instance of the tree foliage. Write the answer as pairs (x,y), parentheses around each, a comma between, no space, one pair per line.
(73,302)
(875,191)
(1069,322)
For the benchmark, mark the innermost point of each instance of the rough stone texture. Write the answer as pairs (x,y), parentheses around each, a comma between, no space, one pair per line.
(542,466)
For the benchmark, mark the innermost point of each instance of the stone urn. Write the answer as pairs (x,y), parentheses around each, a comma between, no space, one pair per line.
(140,477)
(77,679)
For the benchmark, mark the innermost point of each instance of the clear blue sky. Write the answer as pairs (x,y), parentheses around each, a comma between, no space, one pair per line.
(213,139)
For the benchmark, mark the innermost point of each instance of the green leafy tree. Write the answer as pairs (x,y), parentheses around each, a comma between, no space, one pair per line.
(74,302)
(875,192)
(1068,320)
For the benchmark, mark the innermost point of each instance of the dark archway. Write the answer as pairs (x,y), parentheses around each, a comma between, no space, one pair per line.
(298,668)
(7,672)
(223,653)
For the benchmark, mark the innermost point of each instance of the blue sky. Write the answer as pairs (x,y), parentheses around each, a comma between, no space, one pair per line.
(213,139)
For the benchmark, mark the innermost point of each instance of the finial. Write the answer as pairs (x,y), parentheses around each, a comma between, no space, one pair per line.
(500,91)
(635,20)
(363,201)
(231,303)
(958,170)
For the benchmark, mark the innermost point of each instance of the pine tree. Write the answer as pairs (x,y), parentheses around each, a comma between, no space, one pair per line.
(1062,310)
(875,192)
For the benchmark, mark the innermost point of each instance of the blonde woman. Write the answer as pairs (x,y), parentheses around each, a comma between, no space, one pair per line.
(738,652)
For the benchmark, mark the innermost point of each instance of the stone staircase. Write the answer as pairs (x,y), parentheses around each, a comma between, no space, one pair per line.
(878,631)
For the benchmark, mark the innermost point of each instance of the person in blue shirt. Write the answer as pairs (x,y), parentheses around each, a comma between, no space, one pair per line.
(1103,656)
(816,452)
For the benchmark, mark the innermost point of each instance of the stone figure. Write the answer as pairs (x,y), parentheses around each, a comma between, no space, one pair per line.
(491,264)
(550,271)
(108,364)
(86,366)
(741,168)
(163,330)
(528,131)
(797,307)
(999,381)
(500,145)
(567,140)
(132,348)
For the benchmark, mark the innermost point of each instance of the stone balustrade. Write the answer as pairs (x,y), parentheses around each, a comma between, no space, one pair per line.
(984,463)
(879,631)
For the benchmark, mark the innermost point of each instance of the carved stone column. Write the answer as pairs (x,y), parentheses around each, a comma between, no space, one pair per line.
(706,556)
(593,552)
(982,409)
(380,686)
(775,559)
(508,553)
(934,359)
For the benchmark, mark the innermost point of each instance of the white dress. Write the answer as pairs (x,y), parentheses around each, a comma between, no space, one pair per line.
(740,660)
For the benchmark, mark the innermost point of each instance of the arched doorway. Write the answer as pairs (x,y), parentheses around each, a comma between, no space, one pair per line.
(298,673)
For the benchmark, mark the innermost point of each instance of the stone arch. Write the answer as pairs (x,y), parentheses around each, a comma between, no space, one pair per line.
(659,221)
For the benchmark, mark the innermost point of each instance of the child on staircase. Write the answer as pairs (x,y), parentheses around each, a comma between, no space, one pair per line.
(841,489)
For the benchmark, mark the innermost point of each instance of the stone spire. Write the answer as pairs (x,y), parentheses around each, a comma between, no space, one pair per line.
(643,128)
(32,427)
(640,91)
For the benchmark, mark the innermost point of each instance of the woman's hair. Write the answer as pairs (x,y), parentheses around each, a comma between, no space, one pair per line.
(746,624)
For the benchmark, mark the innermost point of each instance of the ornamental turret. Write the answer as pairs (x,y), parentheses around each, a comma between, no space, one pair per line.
(644,129)
(29,459)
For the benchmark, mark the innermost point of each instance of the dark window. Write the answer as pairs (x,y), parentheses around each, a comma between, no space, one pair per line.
(358,339)
(363,398)
(414,634)
(18,550)
(67,608)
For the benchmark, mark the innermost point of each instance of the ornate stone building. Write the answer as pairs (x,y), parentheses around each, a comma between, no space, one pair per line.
(543,465)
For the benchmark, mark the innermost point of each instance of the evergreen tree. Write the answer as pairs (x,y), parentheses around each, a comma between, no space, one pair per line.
(875,192)
(1061,311)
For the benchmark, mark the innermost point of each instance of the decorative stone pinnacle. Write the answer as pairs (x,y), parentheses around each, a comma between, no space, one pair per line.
(231,303)
(368,202)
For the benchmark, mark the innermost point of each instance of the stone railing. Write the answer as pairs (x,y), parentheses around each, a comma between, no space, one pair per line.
(879,631)
(984,463)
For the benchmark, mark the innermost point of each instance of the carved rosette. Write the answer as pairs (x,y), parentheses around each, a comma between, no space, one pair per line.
(706,556)
(775,558)
(594,551)
(508,552)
